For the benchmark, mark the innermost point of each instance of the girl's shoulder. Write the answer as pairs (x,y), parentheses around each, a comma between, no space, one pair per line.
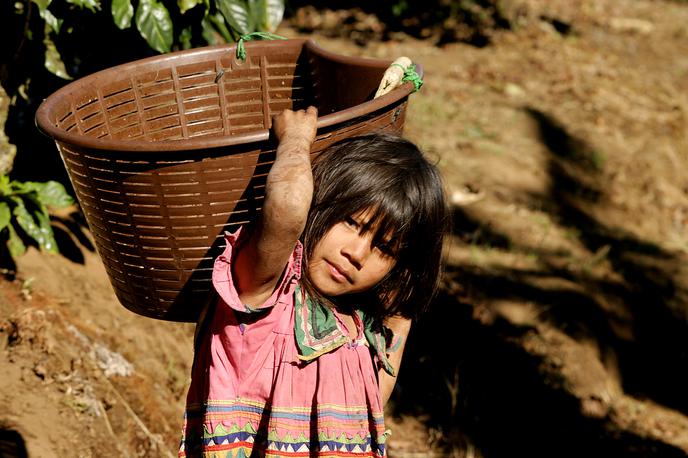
(224,274)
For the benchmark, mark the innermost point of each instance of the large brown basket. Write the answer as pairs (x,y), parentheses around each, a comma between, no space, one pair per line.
(167,153)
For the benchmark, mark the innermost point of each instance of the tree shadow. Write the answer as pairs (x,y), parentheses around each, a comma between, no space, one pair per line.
(475,384)
(12,444)
(72,236)
(474,380)
(652,363)
(473,231)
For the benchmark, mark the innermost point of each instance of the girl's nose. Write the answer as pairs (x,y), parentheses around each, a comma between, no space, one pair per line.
(357,250)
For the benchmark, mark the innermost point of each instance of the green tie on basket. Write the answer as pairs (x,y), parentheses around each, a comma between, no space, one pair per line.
(410,74)
(241,50)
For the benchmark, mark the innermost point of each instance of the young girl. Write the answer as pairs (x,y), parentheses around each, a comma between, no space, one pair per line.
(295,360)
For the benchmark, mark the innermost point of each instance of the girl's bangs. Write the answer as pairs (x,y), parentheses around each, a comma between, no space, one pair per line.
(389,219)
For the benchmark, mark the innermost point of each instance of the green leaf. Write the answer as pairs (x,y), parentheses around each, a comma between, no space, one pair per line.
(122,12)
(36,225)
(53,61)
(47,241)
(15,244)
(18,187)
(237,15)
(155,25)
(25,220)
(50,193)
(256,10)
(186,5)
(42,4)
(273,14)
(399,7)
(51,20)
(208,30)
(185,38)
(5,188)
(47,16)
(215,23)
(93,5)
(5,215)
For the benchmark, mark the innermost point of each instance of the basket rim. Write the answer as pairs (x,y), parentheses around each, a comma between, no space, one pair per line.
(48,128)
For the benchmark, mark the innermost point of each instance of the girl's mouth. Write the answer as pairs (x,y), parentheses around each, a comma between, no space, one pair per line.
(337,274)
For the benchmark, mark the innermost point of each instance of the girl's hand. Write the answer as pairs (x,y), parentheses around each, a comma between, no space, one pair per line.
(298,127)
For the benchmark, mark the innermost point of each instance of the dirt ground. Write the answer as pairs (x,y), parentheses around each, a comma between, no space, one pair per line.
(561,326)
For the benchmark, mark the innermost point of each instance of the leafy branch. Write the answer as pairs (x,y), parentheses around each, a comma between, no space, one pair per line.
(24,207)
(155,21)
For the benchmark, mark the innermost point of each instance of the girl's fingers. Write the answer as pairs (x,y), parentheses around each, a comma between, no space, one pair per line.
(301,123)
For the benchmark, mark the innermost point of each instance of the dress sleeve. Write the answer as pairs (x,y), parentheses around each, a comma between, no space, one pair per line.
(223,280)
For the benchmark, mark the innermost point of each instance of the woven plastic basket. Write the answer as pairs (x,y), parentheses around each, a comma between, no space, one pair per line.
(167,153)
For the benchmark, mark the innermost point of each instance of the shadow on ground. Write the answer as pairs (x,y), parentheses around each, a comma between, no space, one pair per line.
(475,384)
(12,444)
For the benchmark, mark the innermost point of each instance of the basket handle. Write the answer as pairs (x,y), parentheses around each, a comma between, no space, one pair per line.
(400,71)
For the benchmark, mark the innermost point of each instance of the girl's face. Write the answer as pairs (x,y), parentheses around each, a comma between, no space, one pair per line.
(345,261)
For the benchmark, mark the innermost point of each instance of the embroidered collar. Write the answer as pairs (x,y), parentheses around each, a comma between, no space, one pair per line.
(317,331)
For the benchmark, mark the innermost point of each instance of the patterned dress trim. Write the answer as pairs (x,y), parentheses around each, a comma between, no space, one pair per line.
(289,433)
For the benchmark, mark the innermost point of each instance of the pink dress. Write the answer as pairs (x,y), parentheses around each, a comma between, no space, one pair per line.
(283,379)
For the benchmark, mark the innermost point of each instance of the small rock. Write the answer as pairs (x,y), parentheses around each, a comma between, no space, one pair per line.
(623,24)
(514,90)
(466,196)
(112,363)
(40,371)
(594,407)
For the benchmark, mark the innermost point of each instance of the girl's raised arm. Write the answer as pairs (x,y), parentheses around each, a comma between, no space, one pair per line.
(289,188)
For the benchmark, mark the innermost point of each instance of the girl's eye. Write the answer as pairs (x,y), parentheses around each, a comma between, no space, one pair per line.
(385,248)
(349,221)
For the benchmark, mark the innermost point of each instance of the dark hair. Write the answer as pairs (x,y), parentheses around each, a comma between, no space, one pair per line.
(390,175)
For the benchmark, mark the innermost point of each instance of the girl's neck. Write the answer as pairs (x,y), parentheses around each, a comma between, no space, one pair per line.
(348,320)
